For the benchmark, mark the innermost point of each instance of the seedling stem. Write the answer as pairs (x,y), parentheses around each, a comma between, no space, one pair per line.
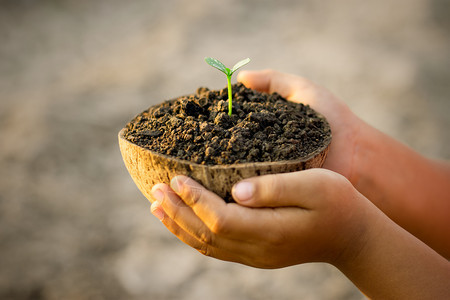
(221,67)
(230,95)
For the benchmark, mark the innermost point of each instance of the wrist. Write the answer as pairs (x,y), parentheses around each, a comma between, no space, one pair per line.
(357,232)
(360,150)
(347,140)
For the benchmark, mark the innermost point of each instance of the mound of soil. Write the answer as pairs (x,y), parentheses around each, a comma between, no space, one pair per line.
(262,128)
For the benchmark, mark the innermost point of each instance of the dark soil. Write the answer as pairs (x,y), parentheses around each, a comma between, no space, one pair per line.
(262,128)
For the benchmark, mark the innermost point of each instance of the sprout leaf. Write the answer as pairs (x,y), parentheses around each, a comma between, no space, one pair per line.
(216,64)
(221,67)
(240,64)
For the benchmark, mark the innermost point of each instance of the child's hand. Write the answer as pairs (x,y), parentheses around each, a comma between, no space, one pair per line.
(318,215)
(411,189)
(308,216)
(282,219)
(344,123)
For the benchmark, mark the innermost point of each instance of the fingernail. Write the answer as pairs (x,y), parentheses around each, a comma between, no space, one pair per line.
(243,191)
(158,195)
(157,210)
(176,184)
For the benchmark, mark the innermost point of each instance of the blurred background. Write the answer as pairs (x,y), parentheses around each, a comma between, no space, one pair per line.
(72,223)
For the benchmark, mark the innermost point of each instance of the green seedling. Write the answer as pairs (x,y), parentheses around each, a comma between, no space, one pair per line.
(228,72)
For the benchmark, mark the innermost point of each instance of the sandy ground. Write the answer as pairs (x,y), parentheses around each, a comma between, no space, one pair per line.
(72,73)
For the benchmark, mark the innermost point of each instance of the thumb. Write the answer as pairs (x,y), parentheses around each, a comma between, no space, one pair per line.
(277,190)
(271,81)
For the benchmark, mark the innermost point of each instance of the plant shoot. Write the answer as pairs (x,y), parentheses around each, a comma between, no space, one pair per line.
(228,72)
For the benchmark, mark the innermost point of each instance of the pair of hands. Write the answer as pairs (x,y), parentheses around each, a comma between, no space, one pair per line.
(318,215)
(283,219)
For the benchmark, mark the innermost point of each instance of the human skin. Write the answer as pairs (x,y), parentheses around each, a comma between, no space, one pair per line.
(411,189)
(322,215)
(309,216)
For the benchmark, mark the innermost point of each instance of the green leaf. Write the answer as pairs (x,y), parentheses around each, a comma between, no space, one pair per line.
(240,64)
(216,64)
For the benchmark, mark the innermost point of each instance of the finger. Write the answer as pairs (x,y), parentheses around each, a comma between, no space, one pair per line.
(204,241)
(225,220)
(208,206)
(179,232)
(176,209)
(192,241)
(214,235)
(300,189)
(289,86)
